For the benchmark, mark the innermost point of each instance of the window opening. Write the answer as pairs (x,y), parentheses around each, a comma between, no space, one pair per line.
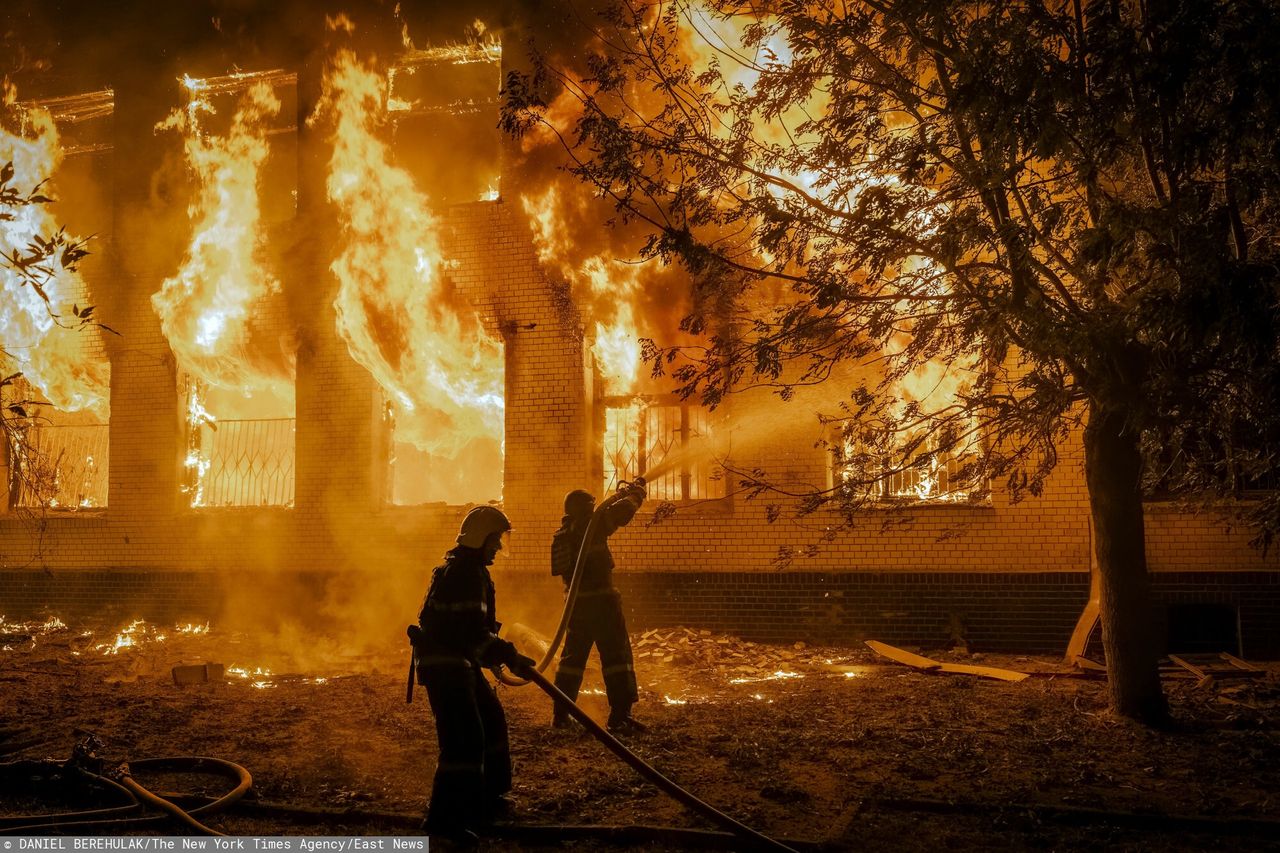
(665,441)
(418,474)
(56,459)
(242,456)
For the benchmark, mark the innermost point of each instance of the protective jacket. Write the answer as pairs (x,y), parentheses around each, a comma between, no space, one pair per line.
(456,635)
(457,619)
(597,618)
(597,569)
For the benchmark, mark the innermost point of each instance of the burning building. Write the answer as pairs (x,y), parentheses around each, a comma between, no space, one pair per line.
(343,310)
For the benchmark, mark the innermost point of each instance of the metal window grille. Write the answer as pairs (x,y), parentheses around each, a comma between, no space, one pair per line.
(60,466)
(246,462)
(939,480)
(644,438)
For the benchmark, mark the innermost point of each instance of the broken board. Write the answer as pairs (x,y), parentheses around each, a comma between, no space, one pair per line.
(1210,669)
(925,664)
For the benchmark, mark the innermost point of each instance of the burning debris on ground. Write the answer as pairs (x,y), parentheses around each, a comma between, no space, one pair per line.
(779,734)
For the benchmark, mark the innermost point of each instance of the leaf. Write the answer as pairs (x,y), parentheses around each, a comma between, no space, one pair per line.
(18,410)
(6,174)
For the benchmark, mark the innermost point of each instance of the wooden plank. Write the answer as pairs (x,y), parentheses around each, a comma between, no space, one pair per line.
(902,656)
(1239,664)
(1189,667)
(1088,665)
(1085,624)
(925,664)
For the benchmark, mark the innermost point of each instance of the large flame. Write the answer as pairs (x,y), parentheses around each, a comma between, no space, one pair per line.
(604,288)
(57,361)
(398,312)
(207,309)
(614,303)
(931,387)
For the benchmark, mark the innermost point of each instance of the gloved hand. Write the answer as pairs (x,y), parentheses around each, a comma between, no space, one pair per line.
(636,490)
(519,664)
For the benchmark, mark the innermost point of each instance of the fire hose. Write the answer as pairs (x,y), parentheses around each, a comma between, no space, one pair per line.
(649,772)
(120,782)
(85,771)
(534,675)
(571,599)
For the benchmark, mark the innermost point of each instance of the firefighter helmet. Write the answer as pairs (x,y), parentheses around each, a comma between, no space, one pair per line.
(579,502)
(481,523)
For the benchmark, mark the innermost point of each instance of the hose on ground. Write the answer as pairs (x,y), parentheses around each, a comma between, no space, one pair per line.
(646,770)
(122,817)
(91,780)
(165,806)
(669,837)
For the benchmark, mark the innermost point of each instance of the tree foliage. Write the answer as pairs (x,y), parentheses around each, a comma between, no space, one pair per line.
(33,473)
(1072,203)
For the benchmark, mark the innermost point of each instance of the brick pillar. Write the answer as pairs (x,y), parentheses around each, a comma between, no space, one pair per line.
(148,236)
(337,454)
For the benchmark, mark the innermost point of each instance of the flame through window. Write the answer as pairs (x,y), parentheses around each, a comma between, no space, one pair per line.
(665,441)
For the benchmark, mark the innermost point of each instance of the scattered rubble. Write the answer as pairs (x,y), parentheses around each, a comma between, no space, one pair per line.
(800,741)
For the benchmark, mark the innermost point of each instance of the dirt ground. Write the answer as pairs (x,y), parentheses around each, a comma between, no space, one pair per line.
(828,745)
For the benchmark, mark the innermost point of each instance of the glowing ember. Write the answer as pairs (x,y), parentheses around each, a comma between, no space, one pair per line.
(261,678)
(129,637)
(397,310)
(780,675)
(672,700)
(189,628)
(32,630)
(55,360)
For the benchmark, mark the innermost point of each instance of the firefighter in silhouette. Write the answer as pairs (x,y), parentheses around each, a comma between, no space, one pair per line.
(455,638)
(597,614)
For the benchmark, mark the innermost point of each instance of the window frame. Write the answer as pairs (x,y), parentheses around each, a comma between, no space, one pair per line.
(686,476)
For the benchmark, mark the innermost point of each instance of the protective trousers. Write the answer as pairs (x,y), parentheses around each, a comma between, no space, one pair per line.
(474,768)
(597,620)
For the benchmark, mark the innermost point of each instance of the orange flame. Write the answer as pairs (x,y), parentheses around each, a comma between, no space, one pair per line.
(708,39)
(129,637)
(55,360)
(206,309)
(398,312)
(604,288)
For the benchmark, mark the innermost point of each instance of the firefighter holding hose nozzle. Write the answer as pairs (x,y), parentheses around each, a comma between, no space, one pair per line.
(455,638)
(597,617)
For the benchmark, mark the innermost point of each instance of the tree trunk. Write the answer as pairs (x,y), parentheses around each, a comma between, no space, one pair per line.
(1113,468)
